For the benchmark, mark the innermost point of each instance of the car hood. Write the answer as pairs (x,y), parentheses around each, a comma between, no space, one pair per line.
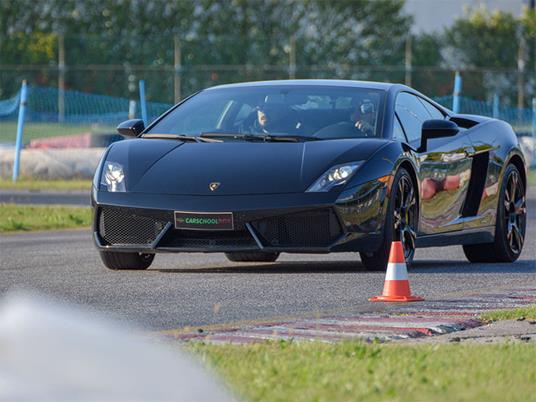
(170,167)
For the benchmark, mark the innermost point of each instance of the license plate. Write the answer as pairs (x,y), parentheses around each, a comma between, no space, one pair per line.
(204,220)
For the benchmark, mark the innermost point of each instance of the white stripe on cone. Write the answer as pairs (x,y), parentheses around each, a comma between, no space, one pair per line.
(396,271)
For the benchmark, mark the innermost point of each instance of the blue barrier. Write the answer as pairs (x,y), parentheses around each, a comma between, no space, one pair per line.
(533,165)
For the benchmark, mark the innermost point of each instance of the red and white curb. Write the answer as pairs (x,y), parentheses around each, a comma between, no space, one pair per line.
(408,321)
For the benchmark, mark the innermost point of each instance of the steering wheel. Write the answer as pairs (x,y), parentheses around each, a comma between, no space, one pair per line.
(343,129)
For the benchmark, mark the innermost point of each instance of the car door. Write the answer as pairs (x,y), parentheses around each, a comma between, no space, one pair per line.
(444,167)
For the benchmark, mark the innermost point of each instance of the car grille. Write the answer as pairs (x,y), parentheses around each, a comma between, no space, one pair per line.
(141,227)
(315,228)
(206,240)
(130,226)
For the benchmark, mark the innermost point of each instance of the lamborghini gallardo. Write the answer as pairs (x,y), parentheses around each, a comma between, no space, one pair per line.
(256,169)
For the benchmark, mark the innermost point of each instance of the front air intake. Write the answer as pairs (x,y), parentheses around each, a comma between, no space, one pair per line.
(129,226)
(315,228)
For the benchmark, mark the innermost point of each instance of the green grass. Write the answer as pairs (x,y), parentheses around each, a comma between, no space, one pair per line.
(532,177)
(16,218)
(25,183)
(529,312)
(8,130)
(356,371)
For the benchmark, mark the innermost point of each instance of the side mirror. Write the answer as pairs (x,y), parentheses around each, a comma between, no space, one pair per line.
(131,128)
(437,129)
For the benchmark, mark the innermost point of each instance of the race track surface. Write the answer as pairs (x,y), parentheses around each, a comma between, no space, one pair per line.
(200,289)
(80,198)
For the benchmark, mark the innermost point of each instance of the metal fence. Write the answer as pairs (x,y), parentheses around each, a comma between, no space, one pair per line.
(74,119)
(51,113)
(167,83)
(86,112)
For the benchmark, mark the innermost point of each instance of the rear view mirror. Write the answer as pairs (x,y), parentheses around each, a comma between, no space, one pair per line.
(437,129)
(131,128)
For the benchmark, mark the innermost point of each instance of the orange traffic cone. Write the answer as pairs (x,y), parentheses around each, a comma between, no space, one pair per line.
(396,287)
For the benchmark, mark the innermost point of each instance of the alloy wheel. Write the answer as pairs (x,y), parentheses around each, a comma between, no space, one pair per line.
(405,214)
(515,212)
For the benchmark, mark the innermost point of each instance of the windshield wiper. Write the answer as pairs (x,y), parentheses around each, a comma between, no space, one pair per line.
(260,137)
(180,137)
(289,138)
(247,137)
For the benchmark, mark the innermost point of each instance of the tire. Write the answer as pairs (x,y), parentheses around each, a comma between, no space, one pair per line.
(398,226)
(133,261)
(510,225)
(255,256)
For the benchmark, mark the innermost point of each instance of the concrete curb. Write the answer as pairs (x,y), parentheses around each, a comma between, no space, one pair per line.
(52,163)
(431,318)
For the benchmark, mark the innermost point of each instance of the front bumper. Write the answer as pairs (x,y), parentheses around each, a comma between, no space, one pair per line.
(292,223)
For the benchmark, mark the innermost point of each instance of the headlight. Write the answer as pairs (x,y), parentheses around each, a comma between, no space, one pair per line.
(335,176)
(113,177)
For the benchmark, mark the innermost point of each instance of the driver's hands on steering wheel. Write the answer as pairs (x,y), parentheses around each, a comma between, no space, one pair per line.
(364,126)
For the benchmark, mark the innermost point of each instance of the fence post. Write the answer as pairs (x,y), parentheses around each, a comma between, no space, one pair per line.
(456,93)
(177,69)
(143,105)
(408,61)
(20,129)
(61,78)
(292,57)
(131,109)
(495,106)
(533,164)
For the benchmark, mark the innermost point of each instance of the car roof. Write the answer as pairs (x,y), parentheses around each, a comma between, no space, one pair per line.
(312,82)
(389,87)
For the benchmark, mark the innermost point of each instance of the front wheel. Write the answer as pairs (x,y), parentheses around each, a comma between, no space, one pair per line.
(400,223)
(134,261)
(510,225)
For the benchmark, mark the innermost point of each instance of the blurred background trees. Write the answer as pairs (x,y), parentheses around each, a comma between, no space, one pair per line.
(108,45)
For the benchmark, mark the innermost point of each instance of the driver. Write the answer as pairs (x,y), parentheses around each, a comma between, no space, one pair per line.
(273,118)
(363,117)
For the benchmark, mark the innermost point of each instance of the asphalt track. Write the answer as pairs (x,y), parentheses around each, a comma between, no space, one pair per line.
(201,289)
(79,198)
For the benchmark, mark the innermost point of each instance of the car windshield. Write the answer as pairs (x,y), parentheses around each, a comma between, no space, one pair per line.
(270,112)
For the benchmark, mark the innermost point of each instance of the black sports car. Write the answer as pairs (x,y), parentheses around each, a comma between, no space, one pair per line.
(310,166)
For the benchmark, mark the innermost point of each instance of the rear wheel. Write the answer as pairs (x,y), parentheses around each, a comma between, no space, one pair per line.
(400,223)
(133,261)
(510,225)
(255,256)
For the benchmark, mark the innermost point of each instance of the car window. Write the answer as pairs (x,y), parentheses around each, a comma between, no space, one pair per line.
(412,114)
(434,112)
(245,111)
(330,102)
(207,117)
(398,132)
(323,112)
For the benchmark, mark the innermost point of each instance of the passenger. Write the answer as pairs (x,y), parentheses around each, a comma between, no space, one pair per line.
(262,123)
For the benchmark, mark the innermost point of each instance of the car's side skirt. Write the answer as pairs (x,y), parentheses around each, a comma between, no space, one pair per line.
(460,237)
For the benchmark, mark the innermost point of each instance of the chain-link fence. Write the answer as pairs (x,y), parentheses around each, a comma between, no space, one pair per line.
(91,113)
(521,119)
(74,119)
(85,118)
(167,83)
